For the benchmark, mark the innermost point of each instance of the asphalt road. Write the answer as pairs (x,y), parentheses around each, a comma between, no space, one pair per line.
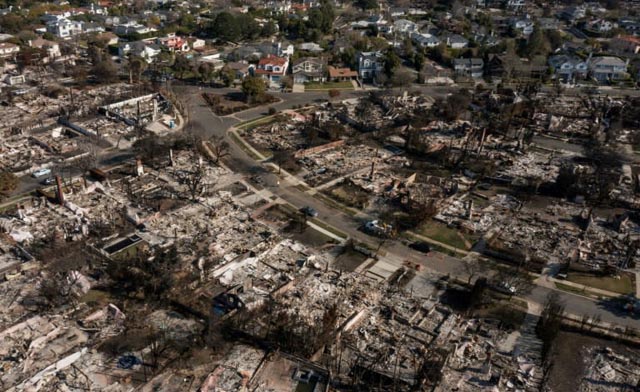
(206,122)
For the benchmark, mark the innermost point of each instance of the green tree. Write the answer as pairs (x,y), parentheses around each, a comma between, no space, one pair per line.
(550,322)
(206,72)
(391,61)
(537,43)
(367,4)
(181,65)
(248,27)
(137,66)
(402,77)
(268,29)
(418,61)
(11,23)
(8,183)
(253,87)
(227,75)
(105,71)
(225,27)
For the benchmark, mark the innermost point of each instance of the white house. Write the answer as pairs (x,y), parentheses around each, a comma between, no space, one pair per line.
(8,49)
(524,25)
(404,26)
(600,26)
(568,68)
(65,28)
(52,48)
(455,41)
(132,27)
(272,68)
(141,49)
(425,40)
(607,68)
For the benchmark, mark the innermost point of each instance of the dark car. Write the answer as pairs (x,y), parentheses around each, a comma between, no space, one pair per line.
(49,181)
(420,246)
(309,211)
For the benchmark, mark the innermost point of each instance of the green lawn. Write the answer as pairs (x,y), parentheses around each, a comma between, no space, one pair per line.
(328,86)
(441,233)
(625,285)
(511,316)
(249,125)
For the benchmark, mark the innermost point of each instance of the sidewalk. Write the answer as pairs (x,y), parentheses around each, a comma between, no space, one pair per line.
(549,282)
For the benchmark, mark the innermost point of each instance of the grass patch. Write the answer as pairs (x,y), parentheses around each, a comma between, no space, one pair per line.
(434,247)
(511,317)
(570,289)
(243,146)
(349,194)
(441,233)
(96,297)
(624,285)
(328,86)
(249,125)
(334,204)
(302,187)
(328,228)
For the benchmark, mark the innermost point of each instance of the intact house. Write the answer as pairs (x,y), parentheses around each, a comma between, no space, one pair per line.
(625,45)
(607,68)
(425,40)
(65,28)
(524,25)
(309,69)
(310,47)
(341,74)
(132,27)
(141,49)
(173,43)
(455,41)
(599,26)
(50,47)
(404,26)
(501,66)
(8,49)
(272,68)
(473,67)
(370,64)
(197,43)
(573,14)
(241,68)
(568,68)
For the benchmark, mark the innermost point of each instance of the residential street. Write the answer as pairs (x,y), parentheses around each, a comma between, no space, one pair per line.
(203,120)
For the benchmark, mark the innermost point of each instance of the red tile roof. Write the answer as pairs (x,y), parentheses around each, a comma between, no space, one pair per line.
(272,60)
(341,72)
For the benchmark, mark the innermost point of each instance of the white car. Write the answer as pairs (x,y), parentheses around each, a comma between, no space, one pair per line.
(41,173)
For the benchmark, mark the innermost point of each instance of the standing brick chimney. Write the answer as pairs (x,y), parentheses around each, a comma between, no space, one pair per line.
(59,191)
(139,168)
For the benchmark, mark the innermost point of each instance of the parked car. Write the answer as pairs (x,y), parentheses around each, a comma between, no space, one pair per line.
(49,181)
(504,288)
(420,246)
(309,211)
(378,228)
(41,173)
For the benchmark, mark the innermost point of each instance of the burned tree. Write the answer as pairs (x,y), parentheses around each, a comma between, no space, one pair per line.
(219,147)
(550,322)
